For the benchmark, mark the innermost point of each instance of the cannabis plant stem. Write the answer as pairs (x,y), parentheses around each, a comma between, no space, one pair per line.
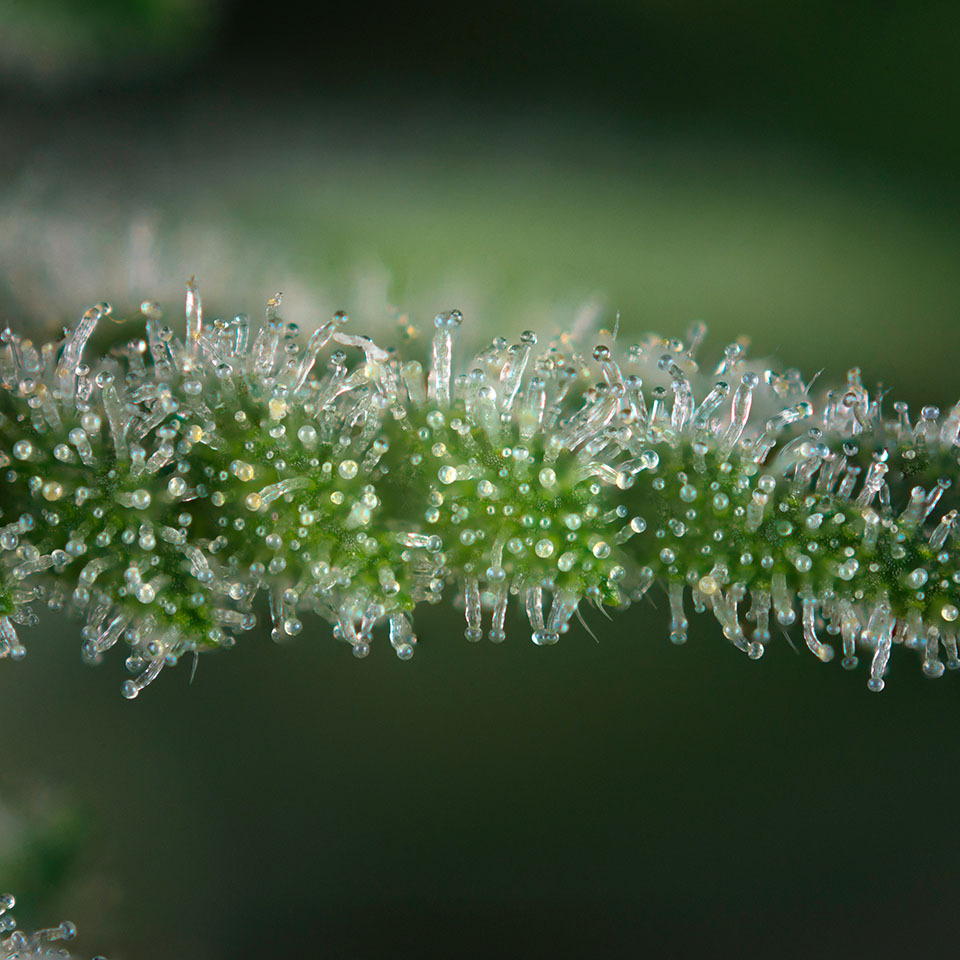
(159,491)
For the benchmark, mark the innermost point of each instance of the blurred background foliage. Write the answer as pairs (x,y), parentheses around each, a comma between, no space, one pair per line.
(57,44)
(782,170)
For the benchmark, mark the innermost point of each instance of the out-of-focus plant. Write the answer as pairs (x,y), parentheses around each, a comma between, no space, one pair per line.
(51,42)
(42,835)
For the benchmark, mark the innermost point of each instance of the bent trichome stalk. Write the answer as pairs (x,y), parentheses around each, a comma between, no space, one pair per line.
(43,944)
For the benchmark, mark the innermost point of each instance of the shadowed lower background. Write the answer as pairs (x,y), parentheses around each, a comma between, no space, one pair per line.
(786,173)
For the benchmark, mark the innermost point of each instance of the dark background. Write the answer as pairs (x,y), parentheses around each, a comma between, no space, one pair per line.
(783,170)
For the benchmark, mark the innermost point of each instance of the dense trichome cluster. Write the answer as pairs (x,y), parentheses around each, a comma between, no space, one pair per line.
(162,490)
